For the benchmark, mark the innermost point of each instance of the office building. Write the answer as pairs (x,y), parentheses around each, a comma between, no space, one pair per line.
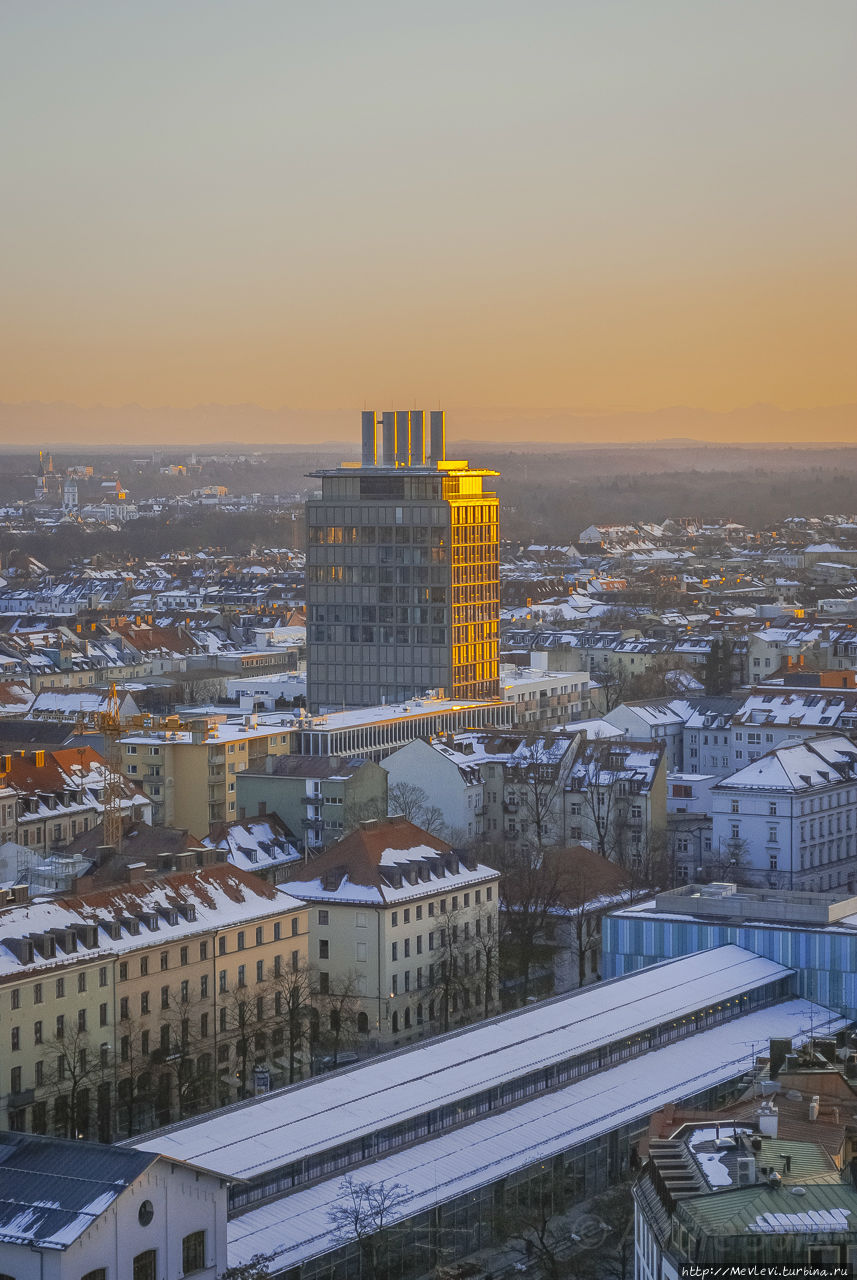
(403,585)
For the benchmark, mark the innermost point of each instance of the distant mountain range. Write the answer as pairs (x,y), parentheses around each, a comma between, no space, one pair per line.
(245,426)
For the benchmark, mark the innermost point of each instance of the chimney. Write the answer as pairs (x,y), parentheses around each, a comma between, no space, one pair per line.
(418,438)
(768,1120)
(388,439)
(135,871)
(438,436)
(370,439)
(779,1051)
(403,438)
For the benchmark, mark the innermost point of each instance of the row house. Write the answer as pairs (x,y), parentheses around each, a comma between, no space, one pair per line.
(140,1003)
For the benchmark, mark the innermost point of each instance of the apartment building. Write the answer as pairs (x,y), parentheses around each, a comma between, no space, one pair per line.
(616,801)
(189,772)
(142,1002)
(789,819)
(54,796)
(320,798)
(404,925)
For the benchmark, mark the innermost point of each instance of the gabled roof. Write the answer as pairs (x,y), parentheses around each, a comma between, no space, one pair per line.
(53,1189)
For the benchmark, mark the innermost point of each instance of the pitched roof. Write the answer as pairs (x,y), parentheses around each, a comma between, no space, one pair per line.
(53,1189)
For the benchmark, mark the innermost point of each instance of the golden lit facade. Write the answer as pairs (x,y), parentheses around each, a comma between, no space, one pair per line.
(403,585)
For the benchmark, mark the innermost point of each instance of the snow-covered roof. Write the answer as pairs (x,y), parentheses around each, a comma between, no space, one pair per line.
(819,762)
(441,1169)
(244,1142)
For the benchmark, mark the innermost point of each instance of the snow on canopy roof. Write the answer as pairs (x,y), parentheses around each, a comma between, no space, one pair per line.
(247,1140)
(298,1228)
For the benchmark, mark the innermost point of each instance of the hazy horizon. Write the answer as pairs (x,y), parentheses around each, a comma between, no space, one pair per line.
(102,426)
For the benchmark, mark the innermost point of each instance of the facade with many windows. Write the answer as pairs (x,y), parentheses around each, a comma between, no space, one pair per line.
(135,1005)
(402,577)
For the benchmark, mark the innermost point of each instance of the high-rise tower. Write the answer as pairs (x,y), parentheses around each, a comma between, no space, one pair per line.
(403,584)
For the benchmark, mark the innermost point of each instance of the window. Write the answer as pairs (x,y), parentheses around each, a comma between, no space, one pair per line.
(144,1266)
(81,982)
(102,976)
(144,1002)
(60,1026)
(123,970)
(736,831)
(102,1015)
(324,917)
(260,935)
(183,955)
(165,997)
(296,961)
(406,916)
(394,919)
(37,1033)
(772,808)
(203,951)
(324,984)
(242,975)
(165,959)
(394,951)
(203,987)
(240,939)
(193,1252)
(16,997)
(489,894)
(60,988)
(16,1038)
(221,946)
(100,1273)
(144,966)
(124,1013)
(203,1025)
(735,806)
(295,925)
(81,1020)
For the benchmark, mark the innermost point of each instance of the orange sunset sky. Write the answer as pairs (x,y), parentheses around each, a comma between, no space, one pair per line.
(598,205)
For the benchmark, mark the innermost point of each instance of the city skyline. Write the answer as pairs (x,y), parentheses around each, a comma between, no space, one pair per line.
(578,207)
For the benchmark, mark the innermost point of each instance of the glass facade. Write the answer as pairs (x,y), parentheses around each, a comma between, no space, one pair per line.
(403,586)
(824,960)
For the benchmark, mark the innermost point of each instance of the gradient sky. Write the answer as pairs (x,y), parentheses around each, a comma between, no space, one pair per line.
(597,204)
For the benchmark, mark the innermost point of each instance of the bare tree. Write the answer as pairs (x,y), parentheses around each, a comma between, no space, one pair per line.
(530,895)
(73,1073)
(258,1268)
(541,1237)
(181,1056)
(134,1080)
(338,1010)
(412,802)
(614,682)
(291,988)
(365,1212)
(535,777)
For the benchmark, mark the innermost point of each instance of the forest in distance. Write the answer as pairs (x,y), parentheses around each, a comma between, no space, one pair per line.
(547,494)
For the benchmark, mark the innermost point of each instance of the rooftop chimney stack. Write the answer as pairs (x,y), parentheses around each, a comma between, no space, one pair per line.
(370,439)
(388,432)
(403,438)
(438,436)
(418,438)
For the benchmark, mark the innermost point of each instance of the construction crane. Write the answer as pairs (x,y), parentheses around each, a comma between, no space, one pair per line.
(110,728)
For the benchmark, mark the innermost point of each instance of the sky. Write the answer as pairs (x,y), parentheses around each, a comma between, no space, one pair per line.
(599,205)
